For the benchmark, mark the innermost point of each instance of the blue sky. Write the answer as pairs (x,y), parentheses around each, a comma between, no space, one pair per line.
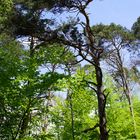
(123,12)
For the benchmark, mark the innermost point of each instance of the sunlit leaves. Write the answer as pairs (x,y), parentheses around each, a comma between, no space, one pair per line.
(5,8)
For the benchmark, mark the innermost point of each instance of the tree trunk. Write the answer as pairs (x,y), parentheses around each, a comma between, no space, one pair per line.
(126,90)
(24,124)
(72,119)
(26,116)
(128,96)
(69,98)
(101,103)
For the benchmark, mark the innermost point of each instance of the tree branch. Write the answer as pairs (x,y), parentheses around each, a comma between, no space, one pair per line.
(91,129)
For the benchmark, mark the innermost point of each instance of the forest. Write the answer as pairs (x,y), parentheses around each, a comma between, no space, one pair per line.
(66,79)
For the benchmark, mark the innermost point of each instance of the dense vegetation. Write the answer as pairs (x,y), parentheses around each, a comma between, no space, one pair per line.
(66,80)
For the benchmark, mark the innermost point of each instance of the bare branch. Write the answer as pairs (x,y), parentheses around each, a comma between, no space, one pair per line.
(91,129)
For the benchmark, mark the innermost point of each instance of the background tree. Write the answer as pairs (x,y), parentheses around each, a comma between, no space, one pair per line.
(136,31)
(115,39)
(136,28)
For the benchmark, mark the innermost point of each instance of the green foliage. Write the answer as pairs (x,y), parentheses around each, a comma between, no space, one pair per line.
(30,107)
(10,92)
(23,90)
(36,5)
(120,121)
(112,37)
(55,54)
(136,102)
(5,9)
(112,31)
(136,28)
(81,103)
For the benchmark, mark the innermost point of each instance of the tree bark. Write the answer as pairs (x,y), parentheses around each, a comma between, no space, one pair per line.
(101,103)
